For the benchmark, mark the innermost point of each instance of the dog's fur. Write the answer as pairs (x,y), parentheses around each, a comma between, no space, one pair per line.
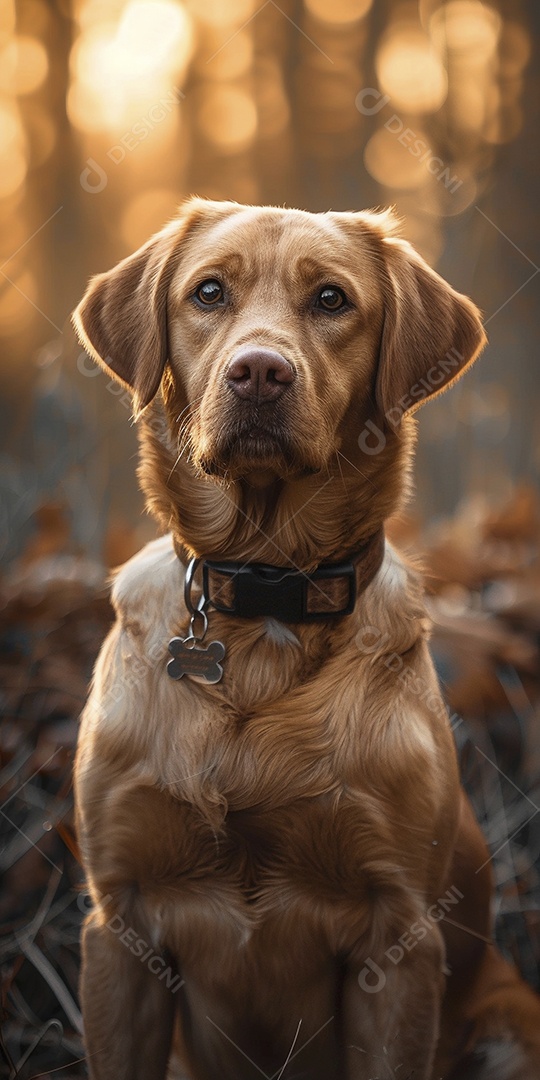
(275,835)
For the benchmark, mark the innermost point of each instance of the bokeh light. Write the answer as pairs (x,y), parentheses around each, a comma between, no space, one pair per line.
(13,148)
(391,164)
(145,214)
(41,134)
(227,63)
(339,12)
(515,49)
(218,13)
(410,70)
(23,65)
(467,27)
(273,107)
(15,309)
(121,69)
(228,118)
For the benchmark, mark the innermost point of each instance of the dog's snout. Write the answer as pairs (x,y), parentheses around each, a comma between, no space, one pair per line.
(258,374)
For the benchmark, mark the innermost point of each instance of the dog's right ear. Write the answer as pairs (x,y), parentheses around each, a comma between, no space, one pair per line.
(122,319)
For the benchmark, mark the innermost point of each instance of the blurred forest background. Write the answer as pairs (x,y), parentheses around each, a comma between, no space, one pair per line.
(111,111)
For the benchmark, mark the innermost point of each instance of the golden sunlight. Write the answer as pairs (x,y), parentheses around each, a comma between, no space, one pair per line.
(467,26)
(338,11)
(228,118)
(410,71)
(13,149)
(120,70)
(23,65)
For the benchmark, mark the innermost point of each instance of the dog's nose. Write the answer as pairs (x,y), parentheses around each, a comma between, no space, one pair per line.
(258,374)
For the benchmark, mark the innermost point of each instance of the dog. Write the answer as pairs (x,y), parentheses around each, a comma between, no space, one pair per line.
(286,877)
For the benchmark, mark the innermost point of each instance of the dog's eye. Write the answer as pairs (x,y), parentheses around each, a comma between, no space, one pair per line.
(210,292)
(331,298)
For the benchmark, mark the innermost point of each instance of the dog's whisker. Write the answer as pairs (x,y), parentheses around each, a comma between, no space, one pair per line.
(183,437)
(190,405)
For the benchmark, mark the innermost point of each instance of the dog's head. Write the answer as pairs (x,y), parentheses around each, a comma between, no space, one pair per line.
(275,335)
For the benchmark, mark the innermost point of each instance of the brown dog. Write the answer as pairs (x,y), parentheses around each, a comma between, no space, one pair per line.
(285,880)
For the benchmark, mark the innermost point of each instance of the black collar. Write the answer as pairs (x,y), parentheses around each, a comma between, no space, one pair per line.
(254,590)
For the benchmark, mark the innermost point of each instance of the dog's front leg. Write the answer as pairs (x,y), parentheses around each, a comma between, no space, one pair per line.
(128,1011)
(391,1013)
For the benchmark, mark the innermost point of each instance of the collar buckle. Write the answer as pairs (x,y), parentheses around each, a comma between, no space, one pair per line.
(256,590)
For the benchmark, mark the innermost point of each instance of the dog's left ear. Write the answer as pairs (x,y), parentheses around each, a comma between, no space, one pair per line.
(431,333)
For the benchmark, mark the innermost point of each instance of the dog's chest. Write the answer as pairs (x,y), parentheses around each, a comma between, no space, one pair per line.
(301,847)
(304,846)
(265,870)
(275,807)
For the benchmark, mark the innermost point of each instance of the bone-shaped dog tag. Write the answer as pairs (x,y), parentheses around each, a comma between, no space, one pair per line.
(196,660)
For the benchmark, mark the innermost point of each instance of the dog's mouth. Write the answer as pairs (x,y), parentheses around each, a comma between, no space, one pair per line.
(257,439)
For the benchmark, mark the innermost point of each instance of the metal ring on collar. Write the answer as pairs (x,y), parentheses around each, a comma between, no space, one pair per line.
(194,609)
(192,636)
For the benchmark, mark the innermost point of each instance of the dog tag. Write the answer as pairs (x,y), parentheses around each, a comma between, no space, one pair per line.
(199,661)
